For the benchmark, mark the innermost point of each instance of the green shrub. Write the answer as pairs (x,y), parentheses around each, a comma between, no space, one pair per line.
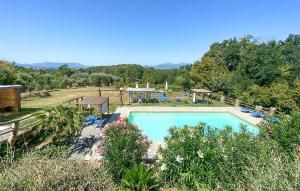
(286,133)
(278,95)
(54,151)
(139,178)
(275,173)
(35,173)
(200,157)
(58,124)
(123,146)
(6,76)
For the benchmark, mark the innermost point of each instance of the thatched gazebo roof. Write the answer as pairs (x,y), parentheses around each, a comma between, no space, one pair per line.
(93,100)
(200,90)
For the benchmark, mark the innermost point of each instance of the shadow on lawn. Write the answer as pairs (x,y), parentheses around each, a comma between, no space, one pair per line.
(10,116)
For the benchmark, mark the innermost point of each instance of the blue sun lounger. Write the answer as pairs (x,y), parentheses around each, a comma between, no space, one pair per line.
(202,101)
(257,114)
(274,119)
(178,100)
(89,120)
(98,122)
(246,109)
(161,97)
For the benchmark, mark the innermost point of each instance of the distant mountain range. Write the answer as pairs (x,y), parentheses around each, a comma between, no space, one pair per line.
(169,66)
(52,65)
(74,65)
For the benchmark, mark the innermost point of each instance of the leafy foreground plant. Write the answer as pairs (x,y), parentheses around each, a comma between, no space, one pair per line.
(36,173)
(277,173)
(123,146)
(201,158)
(54,151)
(286,132)
(139,178)
(58,124)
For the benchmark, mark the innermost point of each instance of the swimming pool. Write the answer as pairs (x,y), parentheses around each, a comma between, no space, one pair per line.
(156,124)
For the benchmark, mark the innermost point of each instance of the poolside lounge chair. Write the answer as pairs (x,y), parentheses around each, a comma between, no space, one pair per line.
(98,122)
(168,99)
(89,120)
(201,101)
(246,110)
(144,100)
(257,114)
(153,100)
(178,100)
(161,97)
(273,119)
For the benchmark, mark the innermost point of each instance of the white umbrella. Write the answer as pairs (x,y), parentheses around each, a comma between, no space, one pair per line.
(147,85)
(166,86)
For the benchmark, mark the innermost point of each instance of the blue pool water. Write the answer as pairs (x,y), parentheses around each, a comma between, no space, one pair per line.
(156,124)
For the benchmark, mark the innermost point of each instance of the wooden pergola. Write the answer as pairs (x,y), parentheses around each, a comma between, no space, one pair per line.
(146,91)
(202,92)
(100,102)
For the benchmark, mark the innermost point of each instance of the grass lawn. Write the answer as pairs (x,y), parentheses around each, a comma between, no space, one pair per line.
(33,104)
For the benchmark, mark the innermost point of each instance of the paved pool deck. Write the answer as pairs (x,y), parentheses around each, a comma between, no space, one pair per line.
(90,152)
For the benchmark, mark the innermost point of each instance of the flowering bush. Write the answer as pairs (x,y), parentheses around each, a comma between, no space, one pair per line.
(204,158)
(123,145)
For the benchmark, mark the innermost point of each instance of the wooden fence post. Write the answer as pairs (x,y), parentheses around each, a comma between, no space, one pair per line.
(12,139)
(76,102)
(121,98)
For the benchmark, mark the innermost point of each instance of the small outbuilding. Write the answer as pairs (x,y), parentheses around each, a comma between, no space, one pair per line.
(10,98)
(202,92)
(135,94)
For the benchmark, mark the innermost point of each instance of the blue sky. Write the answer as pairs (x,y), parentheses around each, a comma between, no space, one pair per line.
(147,32)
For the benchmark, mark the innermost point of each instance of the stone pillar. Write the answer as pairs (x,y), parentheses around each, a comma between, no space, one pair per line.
(222,99)
(272,111)
(237,103)
(258,108)
(194,97)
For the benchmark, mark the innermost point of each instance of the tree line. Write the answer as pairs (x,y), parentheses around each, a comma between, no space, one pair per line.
(63,77)
(261,73)
(117,75)
(265,73)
